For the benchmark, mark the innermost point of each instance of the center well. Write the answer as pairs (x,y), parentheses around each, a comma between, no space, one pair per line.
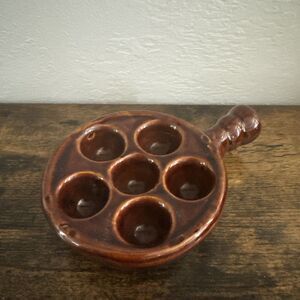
(135,175)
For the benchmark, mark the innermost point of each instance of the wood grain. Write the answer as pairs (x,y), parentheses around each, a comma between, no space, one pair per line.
(253,252)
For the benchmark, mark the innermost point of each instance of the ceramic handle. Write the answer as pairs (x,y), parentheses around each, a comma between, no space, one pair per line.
(239,126)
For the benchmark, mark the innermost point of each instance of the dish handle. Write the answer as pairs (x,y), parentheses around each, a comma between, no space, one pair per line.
(239,126)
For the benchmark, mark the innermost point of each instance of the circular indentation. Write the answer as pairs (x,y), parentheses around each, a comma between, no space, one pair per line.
(66,229)
(158,138)
(47,198)
(189,179)
(64,226)
(205,139)
(135,175)
(91,135)
(144,223)
(83,195)
(102,144)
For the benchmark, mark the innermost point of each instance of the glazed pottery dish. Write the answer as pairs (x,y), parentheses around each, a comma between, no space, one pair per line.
(140,188)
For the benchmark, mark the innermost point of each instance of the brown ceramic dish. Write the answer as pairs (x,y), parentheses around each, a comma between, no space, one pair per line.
(141,188)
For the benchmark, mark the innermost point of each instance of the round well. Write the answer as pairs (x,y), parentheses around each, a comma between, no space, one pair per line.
(144,223)
(135,175)
(189,179)
(102,144)
(158,138)
(83,195)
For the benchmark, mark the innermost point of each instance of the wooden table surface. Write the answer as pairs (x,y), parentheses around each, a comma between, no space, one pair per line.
(254,251)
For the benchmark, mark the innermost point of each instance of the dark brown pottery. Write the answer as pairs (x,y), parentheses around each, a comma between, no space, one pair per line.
(140,188)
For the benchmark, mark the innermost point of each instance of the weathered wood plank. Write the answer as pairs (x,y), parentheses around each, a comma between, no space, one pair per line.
(252,252)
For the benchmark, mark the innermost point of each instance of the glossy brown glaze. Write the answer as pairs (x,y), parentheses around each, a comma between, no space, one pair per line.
(139,189)
(238,127)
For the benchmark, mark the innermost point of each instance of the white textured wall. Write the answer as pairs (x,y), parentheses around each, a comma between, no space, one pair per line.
(150,51)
